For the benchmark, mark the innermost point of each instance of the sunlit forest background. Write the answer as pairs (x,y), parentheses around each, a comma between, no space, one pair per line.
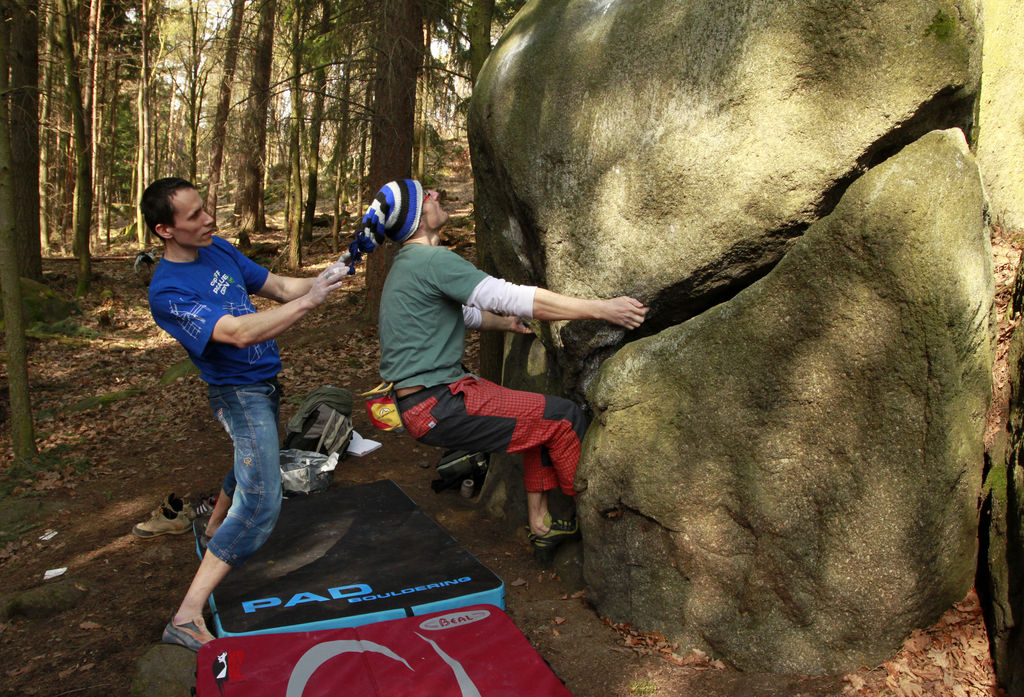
(297,107)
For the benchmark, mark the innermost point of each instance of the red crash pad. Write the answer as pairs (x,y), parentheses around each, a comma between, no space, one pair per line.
(473,651)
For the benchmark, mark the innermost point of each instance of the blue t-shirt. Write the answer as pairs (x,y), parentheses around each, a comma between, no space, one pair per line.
(187,299)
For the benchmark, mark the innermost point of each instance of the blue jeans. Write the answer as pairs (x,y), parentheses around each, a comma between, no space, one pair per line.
(249,414)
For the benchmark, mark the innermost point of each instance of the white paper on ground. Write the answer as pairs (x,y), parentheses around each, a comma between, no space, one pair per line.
(359,446)
(54,573)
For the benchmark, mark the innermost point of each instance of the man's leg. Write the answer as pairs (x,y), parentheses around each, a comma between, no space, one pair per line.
(211,572)
(187,625)
(249,414)
(476,414)
(220,510)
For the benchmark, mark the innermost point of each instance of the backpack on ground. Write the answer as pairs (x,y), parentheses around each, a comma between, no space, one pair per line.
(323,423)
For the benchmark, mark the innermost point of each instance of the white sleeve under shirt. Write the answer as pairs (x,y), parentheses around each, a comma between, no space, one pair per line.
(500,297)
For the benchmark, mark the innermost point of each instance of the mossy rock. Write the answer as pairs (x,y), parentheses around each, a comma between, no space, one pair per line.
(164,671)
(43,601)
(18,515)
(42,305)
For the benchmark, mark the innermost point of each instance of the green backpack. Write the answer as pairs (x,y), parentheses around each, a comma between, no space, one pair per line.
(323,423)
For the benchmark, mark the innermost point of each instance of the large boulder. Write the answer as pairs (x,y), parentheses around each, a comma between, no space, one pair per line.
(1000,139)
(1001,577)
(673,149)
(1001,574)
(790,480)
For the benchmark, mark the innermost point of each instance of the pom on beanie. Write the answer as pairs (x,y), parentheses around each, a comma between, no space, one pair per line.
(393,215)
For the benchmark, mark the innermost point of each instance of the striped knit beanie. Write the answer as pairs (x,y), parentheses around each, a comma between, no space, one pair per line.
(393,215)
(395,211)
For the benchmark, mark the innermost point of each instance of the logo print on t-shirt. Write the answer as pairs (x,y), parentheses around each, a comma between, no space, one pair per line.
(220,282)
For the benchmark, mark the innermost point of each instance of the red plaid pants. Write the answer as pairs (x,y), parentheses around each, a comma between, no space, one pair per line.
(478,415)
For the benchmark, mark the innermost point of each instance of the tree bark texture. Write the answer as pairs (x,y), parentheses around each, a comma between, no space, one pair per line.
(22,436)
(196,90)
(142,111)
(46,187)
(295,147)
(92,72)
(316,119)
(82,210)
(481,13)
(254,130)
(220,120)
(340,159)
(399,57)
(108,160)
(24,133)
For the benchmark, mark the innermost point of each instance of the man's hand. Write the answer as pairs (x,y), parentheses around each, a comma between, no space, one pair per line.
(332,278)
(518,326)
(624,311)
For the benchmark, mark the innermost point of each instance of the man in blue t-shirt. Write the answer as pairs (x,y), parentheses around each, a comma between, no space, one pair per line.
(199,294)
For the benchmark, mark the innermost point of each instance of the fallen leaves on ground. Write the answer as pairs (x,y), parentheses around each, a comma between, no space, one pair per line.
(949,659)
(1006,258)
(655,644)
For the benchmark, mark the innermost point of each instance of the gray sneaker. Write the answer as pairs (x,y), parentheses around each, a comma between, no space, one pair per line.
(191,635)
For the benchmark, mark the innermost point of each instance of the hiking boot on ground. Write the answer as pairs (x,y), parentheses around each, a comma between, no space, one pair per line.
(171,517)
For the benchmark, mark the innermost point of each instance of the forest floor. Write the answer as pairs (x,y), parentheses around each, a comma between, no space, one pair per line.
(109,467)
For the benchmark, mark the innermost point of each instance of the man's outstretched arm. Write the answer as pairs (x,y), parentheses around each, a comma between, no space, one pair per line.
(495,295)
(246,330)
(624,311)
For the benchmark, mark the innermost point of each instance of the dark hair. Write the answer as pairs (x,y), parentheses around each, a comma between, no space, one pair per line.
(156,201)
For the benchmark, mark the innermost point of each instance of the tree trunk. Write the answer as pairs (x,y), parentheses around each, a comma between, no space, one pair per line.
(92,76)
(24,133)
(196,86)
(421,114)
(315,129)
(341,159)
(220,120)
(64,187)
(22,436)
(141,150)
(45,140)
(295,146)
(248,203)
(82,210)
(108,160)
(399,57)
(481,14)
(101,181)
(142,110)
(364,137)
